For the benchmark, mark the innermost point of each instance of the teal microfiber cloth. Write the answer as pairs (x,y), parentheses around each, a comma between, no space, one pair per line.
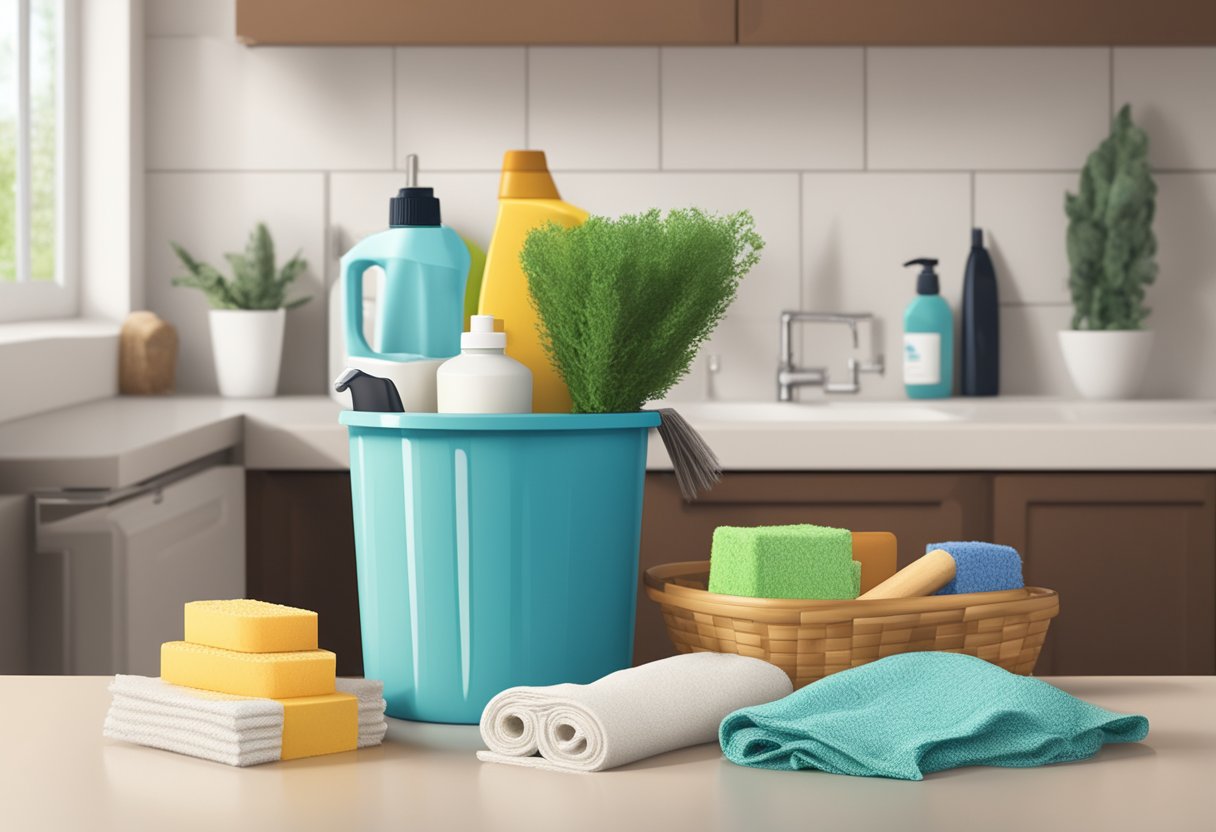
(915,713)
(801,562)
(981,567)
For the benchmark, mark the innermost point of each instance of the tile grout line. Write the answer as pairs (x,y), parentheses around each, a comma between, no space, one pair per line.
(527,97)
(865,108)
(393,87)
(973,199)
(660,107)
(676,171)
(1111,72)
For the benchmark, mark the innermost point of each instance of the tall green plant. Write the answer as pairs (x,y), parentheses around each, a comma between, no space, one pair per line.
(625,304)
(1111,245)
(255,281)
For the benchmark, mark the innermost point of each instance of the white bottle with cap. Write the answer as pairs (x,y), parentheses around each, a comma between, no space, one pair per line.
(482,379)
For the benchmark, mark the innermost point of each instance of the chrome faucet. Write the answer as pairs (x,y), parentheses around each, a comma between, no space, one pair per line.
(790,377)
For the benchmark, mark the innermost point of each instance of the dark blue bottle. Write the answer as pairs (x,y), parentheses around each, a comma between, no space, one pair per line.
(981,352)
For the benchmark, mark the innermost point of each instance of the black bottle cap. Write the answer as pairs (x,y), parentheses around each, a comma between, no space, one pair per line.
(926,282)
(413,207)
(977,238)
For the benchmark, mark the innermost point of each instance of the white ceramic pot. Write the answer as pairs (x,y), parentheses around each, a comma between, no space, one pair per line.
(1106,364)
(248,348)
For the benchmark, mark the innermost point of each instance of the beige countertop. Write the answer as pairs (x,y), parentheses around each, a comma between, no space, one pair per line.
(112,443)
(58,773)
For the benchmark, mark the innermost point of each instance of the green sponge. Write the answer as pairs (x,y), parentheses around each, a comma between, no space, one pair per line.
(799,562)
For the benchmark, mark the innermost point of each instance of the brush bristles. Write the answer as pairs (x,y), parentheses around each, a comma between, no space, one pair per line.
(696,466)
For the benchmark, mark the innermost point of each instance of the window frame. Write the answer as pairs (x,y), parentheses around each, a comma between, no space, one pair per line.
(40,300)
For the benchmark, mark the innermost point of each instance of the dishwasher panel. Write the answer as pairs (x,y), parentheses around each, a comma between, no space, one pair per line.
(109,582)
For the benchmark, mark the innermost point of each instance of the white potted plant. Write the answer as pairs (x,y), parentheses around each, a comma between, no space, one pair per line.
(248,313)
(1113,255)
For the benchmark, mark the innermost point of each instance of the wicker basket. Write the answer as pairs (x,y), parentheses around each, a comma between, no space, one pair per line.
(812,639)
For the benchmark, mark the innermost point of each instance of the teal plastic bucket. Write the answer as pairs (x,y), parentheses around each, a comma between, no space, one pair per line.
(494,551)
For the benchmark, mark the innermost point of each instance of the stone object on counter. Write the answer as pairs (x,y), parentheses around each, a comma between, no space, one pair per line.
(147,355)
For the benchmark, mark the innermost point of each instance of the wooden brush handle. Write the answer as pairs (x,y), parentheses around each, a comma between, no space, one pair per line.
(924,576)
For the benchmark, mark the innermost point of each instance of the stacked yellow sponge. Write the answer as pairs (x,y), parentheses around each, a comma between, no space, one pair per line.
(254,648)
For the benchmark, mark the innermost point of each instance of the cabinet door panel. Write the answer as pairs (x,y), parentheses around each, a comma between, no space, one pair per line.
(967,23)
(1132,557)
(918,508)
(471,22)
(300,551)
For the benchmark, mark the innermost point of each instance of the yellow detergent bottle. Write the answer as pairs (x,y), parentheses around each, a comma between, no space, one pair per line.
(527,198)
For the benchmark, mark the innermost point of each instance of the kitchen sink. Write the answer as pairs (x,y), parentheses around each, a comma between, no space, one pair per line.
(847,412)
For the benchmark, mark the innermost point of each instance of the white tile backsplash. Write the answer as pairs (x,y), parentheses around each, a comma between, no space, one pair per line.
(1173,97)
(858,230)
(999,109)
(1183,299)
(1022,215)
(212,213)
(594,108)
(206,18)
(852,160)
(770,108)
(1031,363)
(216,105)
(465,121)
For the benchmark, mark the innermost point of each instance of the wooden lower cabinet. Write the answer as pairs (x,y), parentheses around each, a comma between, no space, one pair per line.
(1132,556)
(918,508)
(300,550)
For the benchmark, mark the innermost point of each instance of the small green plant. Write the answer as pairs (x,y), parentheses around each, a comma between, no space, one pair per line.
(255,281)
(1111,245)
(625,304)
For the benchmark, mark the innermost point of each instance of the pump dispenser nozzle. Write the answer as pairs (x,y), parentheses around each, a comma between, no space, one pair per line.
(926,282)
(370,393)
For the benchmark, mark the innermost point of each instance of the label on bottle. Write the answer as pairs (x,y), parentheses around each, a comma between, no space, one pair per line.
(922,358)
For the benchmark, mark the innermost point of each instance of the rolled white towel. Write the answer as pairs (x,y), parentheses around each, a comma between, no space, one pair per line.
(627,715)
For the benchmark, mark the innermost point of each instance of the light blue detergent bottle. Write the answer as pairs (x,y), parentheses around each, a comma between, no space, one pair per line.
(928,338)
(420,308)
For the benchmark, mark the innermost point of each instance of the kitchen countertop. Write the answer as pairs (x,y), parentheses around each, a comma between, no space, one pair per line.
(117,442)
(57,772)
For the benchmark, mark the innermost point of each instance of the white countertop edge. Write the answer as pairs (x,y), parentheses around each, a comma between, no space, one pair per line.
(119,442)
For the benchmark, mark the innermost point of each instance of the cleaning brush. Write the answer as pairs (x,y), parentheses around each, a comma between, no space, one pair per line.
(694,462)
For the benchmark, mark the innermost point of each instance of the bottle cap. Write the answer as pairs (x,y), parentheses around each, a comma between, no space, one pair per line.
(525,175)
(926,282)
(413,207)
(977,238)
(481,335)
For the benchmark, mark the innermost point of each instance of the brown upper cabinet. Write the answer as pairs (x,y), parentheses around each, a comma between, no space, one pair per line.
(473,22)
(977,23)
(688,22)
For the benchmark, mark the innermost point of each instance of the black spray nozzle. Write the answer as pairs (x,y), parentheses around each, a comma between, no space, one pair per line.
(370,393)
(977,238)
(926,281)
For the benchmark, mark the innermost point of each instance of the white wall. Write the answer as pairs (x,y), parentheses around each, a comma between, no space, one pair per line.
(852,160)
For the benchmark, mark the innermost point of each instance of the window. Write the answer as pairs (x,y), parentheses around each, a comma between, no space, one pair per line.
(36,275)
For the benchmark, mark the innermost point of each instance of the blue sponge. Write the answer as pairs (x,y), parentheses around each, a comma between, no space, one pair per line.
(981,567)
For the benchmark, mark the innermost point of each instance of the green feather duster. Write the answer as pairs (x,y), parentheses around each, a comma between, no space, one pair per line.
(625,304)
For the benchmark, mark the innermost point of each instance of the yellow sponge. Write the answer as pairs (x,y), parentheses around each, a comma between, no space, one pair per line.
(315,725)
(265,675)
(250,626)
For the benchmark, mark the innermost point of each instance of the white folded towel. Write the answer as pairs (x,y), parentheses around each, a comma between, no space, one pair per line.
(236,730)
(627,715)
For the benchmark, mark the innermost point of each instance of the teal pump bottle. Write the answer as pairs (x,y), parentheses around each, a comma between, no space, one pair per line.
(928,338)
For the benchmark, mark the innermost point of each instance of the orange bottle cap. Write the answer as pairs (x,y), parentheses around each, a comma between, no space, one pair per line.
(525,175)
